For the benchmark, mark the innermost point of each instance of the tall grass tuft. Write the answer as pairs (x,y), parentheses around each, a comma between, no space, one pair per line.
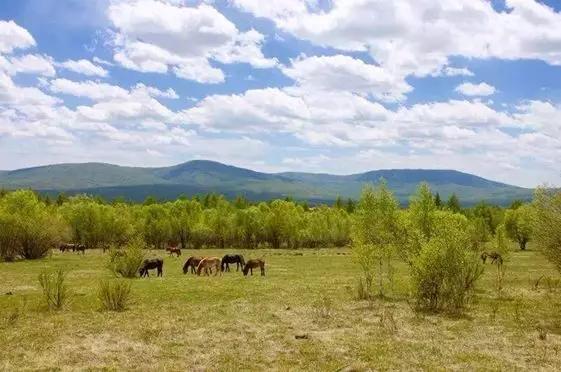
(126,262)
(114,295)
(55,290)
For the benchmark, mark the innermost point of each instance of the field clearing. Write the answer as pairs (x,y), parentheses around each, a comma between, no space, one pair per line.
(232,322)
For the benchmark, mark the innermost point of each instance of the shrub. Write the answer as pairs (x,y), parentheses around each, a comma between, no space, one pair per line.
(126,262)
(547,224)
(55,290)
(375,231)
(446,269)
(114,295)
(28,227)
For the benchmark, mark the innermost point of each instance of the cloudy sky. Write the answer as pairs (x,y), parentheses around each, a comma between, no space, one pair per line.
(337,86)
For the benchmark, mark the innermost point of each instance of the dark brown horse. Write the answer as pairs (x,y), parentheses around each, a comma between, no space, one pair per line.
(192,262)
(494,256)
(80,248)
(231,259)
(150,264)
(174,250)
(74,247)
(253,264)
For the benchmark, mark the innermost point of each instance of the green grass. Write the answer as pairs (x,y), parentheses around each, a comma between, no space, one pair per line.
(184,322)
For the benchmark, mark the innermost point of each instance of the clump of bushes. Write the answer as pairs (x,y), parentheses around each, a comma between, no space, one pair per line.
(445,267)
(126,262)
(28,227)
(55,290)
(114,295)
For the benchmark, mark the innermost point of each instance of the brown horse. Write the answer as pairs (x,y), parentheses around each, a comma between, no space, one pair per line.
(192,262)
(494,256)
(207,264)
(253,264)
(174,250)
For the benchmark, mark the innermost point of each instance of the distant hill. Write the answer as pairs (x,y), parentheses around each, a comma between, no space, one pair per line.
(203,176)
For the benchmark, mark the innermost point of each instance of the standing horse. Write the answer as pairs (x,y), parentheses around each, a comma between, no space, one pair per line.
(208,263)
(192,262)
(150,264)
(174,250)
(230,259)
(253,264)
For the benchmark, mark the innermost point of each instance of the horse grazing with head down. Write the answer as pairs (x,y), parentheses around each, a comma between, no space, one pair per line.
(207,264)
(150,264)
(192,262)
(231,259)
(253,264)
(494,256)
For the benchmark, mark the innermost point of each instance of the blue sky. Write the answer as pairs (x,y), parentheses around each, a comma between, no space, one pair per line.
(322,86)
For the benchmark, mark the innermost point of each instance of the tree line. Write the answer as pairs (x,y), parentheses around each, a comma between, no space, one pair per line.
(30,225)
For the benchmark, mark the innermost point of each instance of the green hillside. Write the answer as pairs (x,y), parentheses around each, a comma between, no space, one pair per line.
(202,176)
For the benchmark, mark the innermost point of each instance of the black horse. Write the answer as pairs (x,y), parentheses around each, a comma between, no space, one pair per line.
(150,264)
(230,259)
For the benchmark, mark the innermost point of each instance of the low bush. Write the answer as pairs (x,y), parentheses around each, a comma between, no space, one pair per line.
(114,295)
(55,290)
(127,261)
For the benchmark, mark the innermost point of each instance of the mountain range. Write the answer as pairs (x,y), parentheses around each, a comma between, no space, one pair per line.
(203,176)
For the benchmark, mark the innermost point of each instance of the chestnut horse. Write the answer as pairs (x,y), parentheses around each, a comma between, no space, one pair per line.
(253,264)
(174,250)
(192,262)
(208,263)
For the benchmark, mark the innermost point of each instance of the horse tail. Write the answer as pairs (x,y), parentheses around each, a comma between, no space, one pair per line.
(222,264)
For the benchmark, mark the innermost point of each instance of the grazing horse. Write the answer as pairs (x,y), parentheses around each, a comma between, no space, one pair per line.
(192,262)
(494,256)
(79,248)
(63,247)
(150,264)
(253,264)
(230,259)
(208,263)
(174,250)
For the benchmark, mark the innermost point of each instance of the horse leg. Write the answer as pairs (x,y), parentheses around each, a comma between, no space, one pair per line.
(263,270)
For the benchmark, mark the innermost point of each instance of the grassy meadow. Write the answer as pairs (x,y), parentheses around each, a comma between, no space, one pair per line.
(303,315)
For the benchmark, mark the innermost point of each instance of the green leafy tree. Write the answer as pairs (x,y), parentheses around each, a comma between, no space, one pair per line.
(184,215)
(422,208)
(547,223)
(375,232)
(437,201)
(339,204)
(519,224)
(157,225)
(28,227)
(453,204)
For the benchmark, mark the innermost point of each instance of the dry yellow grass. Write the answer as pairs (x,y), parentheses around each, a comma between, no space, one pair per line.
(184,322)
